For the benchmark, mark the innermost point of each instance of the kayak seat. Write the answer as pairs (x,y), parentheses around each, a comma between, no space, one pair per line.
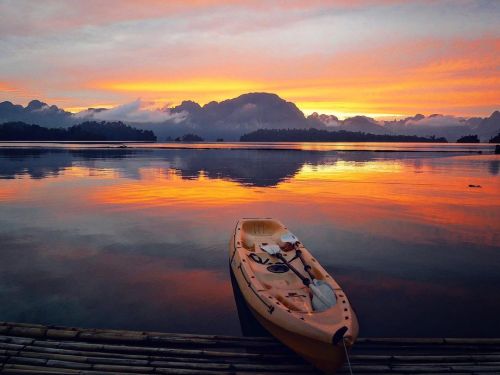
(256,232)
(254,243)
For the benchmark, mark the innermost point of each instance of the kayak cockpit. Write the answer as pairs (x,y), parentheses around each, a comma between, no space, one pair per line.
(279,282)
(261,239)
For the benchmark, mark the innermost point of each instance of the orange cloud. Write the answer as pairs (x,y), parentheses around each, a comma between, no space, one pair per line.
(188,86)
(6,88)
(373,81)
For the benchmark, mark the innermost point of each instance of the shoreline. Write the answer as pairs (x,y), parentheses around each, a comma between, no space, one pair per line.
(385,147)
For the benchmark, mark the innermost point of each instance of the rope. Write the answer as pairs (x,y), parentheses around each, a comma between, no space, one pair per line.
(347,356)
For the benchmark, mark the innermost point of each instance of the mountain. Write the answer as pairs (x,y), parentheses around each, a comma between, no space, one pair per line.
(450,127)
(317,120)
(352,124)
(233,117)
(36,112)
(488,126)
(230,119)
(363,124)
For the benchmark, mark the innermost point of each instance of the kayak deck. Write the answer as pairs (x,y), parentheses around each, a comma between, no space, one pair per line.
(290,294)
(270,273)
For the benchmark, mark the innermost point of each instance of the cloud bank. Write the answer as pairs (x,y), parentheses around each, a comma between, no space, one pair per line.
(437,121)
(133,112)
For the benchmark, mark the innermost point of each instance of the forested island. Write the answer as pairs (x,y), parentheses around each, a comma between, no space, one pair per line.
(87,131)
(189,138)
(495,139)
(316,135)
(469,139)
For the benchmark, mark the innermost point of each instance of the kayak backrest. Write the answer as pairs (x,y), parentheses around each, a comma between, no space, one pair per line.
(261,227)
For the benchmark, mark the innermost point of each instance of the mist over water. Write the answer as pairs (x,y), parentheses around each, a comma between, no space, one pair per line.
(137,238)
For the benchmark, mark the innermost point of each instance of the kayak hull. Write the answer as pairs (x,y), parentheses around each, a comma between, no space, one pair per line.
(324,356)
(281,303)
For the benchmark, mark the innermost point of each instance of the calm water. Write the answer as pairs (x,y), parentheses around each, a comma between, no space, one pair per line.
(137,238)
(303,146)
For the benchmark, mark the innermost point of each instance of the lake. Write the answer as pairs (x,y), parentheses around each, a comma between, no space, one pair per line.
(96,235)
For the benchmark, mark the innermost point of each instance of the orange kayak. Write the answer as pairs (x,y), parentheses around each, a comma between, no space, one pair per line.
(290,294)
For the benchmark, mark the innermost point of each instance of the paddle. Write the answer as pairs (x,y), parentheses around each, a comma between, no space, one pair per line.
(326,296)
(323,296)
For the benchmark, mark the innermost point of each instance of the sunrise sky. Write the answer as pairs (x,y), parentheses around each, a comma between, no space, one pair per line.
(374,57)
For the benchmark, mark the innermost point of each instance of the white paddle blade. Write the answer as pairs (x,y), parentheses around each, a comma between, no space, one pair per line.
(323,295)
(271,249)
(290,238)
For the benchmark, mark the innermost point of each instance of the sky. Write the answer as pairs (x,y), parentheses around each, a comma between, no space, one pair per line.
(380,58)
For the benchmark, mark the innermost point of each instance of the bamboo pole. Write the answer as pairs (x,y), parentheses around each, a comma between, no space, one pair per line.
(34,348)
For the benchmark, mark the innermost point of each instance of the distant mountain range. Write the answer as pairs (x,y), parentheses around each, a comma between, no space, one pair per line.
(229,119)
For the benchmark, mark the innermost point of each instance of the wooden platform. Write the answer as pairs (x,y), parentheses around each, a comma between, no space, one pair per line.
(37,349)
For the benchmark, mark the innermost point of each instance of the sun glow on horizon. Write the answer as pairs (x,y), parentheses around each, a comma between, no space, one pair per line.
(202,85)
(78,109)
(344,115)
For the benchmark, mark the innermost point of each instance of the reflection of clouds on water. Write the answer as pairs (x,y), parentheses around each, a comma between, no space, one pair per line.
(41,163)
(494,167)
(141,235)
(256,168)
(32,162)
(249,167)
(75,281)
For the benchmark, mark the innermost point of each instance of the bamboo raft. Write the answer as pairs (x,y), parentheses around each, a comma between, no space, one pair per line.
(38,349)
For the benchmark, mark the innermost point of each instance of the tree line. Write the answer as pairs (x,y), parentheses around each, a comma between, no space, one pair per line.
(316,135)
(87,131)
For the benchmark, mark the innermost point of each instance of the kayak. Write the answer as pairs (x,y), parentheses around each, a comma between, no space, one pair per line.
(290,293)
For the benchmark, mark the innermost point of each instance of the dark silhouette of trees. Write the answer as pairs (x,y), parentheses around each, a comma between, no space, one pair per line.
(87,131)
(19,131)
(495,139)
(189,138)
(468,139)
(113,131)
(316,135)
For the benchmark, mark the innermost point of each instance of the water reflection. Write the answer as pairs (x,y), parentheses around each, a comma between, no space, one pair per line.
(250,167)
(494,167)
(141,235)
